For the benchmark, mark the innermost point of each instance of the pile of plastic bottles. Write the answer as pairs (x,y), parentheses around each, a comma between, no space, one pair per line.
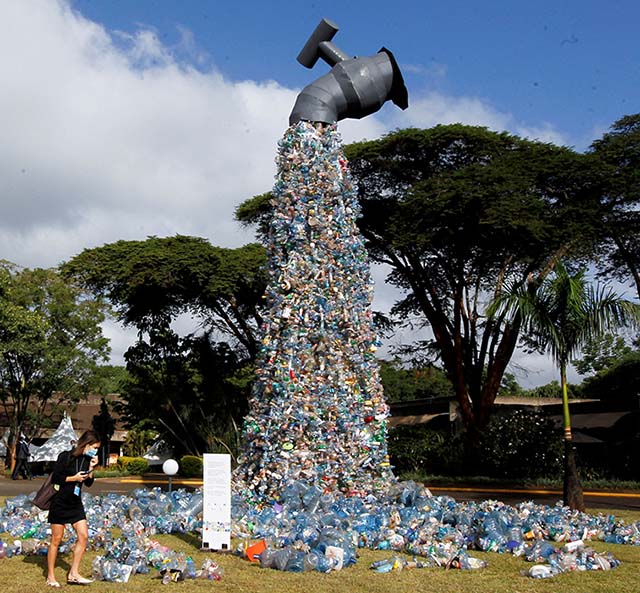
(322,531)
(440,556)
(30,546)
(409,520)
(137,517)
(573,556)
(317,412)
(124,557)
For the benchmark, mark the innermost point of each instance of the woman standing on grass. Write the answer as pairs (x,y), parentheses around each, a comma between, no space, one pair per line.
(71,470)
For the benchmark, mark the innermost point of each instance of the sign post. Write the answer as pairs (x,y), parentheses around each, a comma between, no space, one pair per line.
(216,514)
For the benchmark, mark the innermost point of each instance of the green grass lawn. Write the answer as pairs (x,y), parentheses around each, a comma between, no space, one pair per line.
(550,483)
(26,574)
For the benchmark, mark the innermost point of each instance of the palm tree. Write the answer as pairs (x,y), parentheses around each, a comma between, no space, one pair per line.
(559,314)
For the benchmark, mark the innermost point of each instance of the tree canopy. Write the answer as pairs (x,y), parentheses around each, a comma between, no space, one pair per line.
(620,381)
(406,384)
(191,391)
(602,352)
(50,343)
(151,282)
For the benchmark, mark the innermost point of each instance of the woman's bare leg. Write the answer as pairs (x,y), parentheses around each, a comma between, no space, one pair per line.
(82,533)
(57,532)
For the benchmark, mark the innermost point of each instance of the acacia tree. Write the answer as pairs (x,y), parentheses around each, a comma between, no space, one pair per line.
(198,383)
(559,315)
(50,345)
(454,211)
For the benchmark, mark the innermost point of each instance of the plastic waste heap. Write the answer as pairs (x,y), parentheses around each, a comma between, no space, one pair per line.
(317,412)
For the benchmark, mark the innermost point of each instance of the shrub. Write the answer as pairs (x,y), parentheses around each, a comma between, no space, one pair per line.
(421,448)
(138,441)
(133,465)
(519,444)
(191,466)
(516,444)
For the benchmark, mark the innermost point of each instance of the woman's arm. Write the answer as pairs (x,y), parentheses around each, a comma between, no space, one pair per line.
(60,469)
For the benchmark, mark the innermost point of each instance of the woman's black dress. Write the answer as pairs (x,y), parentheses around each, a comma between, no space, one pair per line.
(66,505)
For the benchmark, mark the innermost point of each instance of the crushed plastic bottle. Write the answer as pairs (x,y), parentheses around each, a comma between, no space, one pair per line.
(210,570)
(540,571)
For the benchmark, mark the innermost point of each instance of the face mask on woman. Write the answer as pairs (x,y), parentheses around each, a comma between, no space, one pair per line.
(91,452)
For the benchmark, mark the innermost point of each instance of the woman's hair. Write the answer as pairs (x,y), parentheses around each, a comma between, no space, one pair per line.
(88,438)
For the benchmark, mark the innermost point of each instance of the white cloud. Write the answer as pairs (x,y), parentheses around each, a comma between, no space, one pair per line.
(435,108)
(103,143)
(120,339)
(433,71)
(543,133)
(109,136)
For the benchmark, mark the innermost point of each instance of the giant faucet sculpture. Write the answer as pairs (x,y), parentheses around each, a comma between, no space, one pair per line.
(317,420)
(354,88)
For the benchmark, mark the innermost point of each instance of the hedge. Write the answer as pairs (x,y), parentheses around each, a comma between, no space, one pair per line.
(191,466)
(133,465)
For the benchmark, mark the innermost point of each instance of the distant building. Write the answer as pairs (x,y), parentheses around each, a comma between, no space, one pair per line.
(81,415)
(592,420)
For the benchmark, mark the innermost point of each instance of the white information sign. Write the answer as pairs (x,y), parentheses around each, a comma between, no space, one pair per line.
(216,514)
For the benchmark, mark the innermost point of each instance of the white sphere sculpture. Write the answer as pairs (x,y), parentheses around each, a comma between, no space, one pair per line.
(170,467)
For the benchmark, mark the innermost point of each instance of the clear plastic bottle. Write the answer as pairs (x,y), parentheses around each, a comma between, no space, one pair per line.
(190,568)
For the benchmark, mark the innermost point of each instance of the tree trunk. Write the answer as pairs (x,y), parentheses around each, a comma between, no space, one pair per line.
(572,488)
(629,260)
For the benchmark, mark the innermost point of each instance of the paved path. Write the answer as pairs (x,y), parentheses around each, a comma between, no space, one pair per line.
(9,487)
(593,499)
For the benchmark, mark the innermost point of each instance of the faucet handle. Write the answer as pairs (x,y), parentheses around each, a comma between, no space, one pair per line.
(319,46)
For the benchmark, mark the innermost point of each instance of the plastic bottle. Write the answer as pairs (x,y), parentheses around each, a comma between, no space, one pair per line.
(190,568)
(470,563)
(311,561)
(96,568)
(540,571)
(281,558)
(515,540)
(295,562)
(385,565)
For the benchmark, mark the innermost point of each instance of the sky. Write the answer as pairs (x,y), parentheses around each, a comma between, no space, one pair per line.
(122,119)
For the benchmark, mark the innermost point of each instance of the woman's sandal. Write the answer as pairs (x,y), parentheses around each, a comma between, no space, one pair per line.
(54,584)
(78,581)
